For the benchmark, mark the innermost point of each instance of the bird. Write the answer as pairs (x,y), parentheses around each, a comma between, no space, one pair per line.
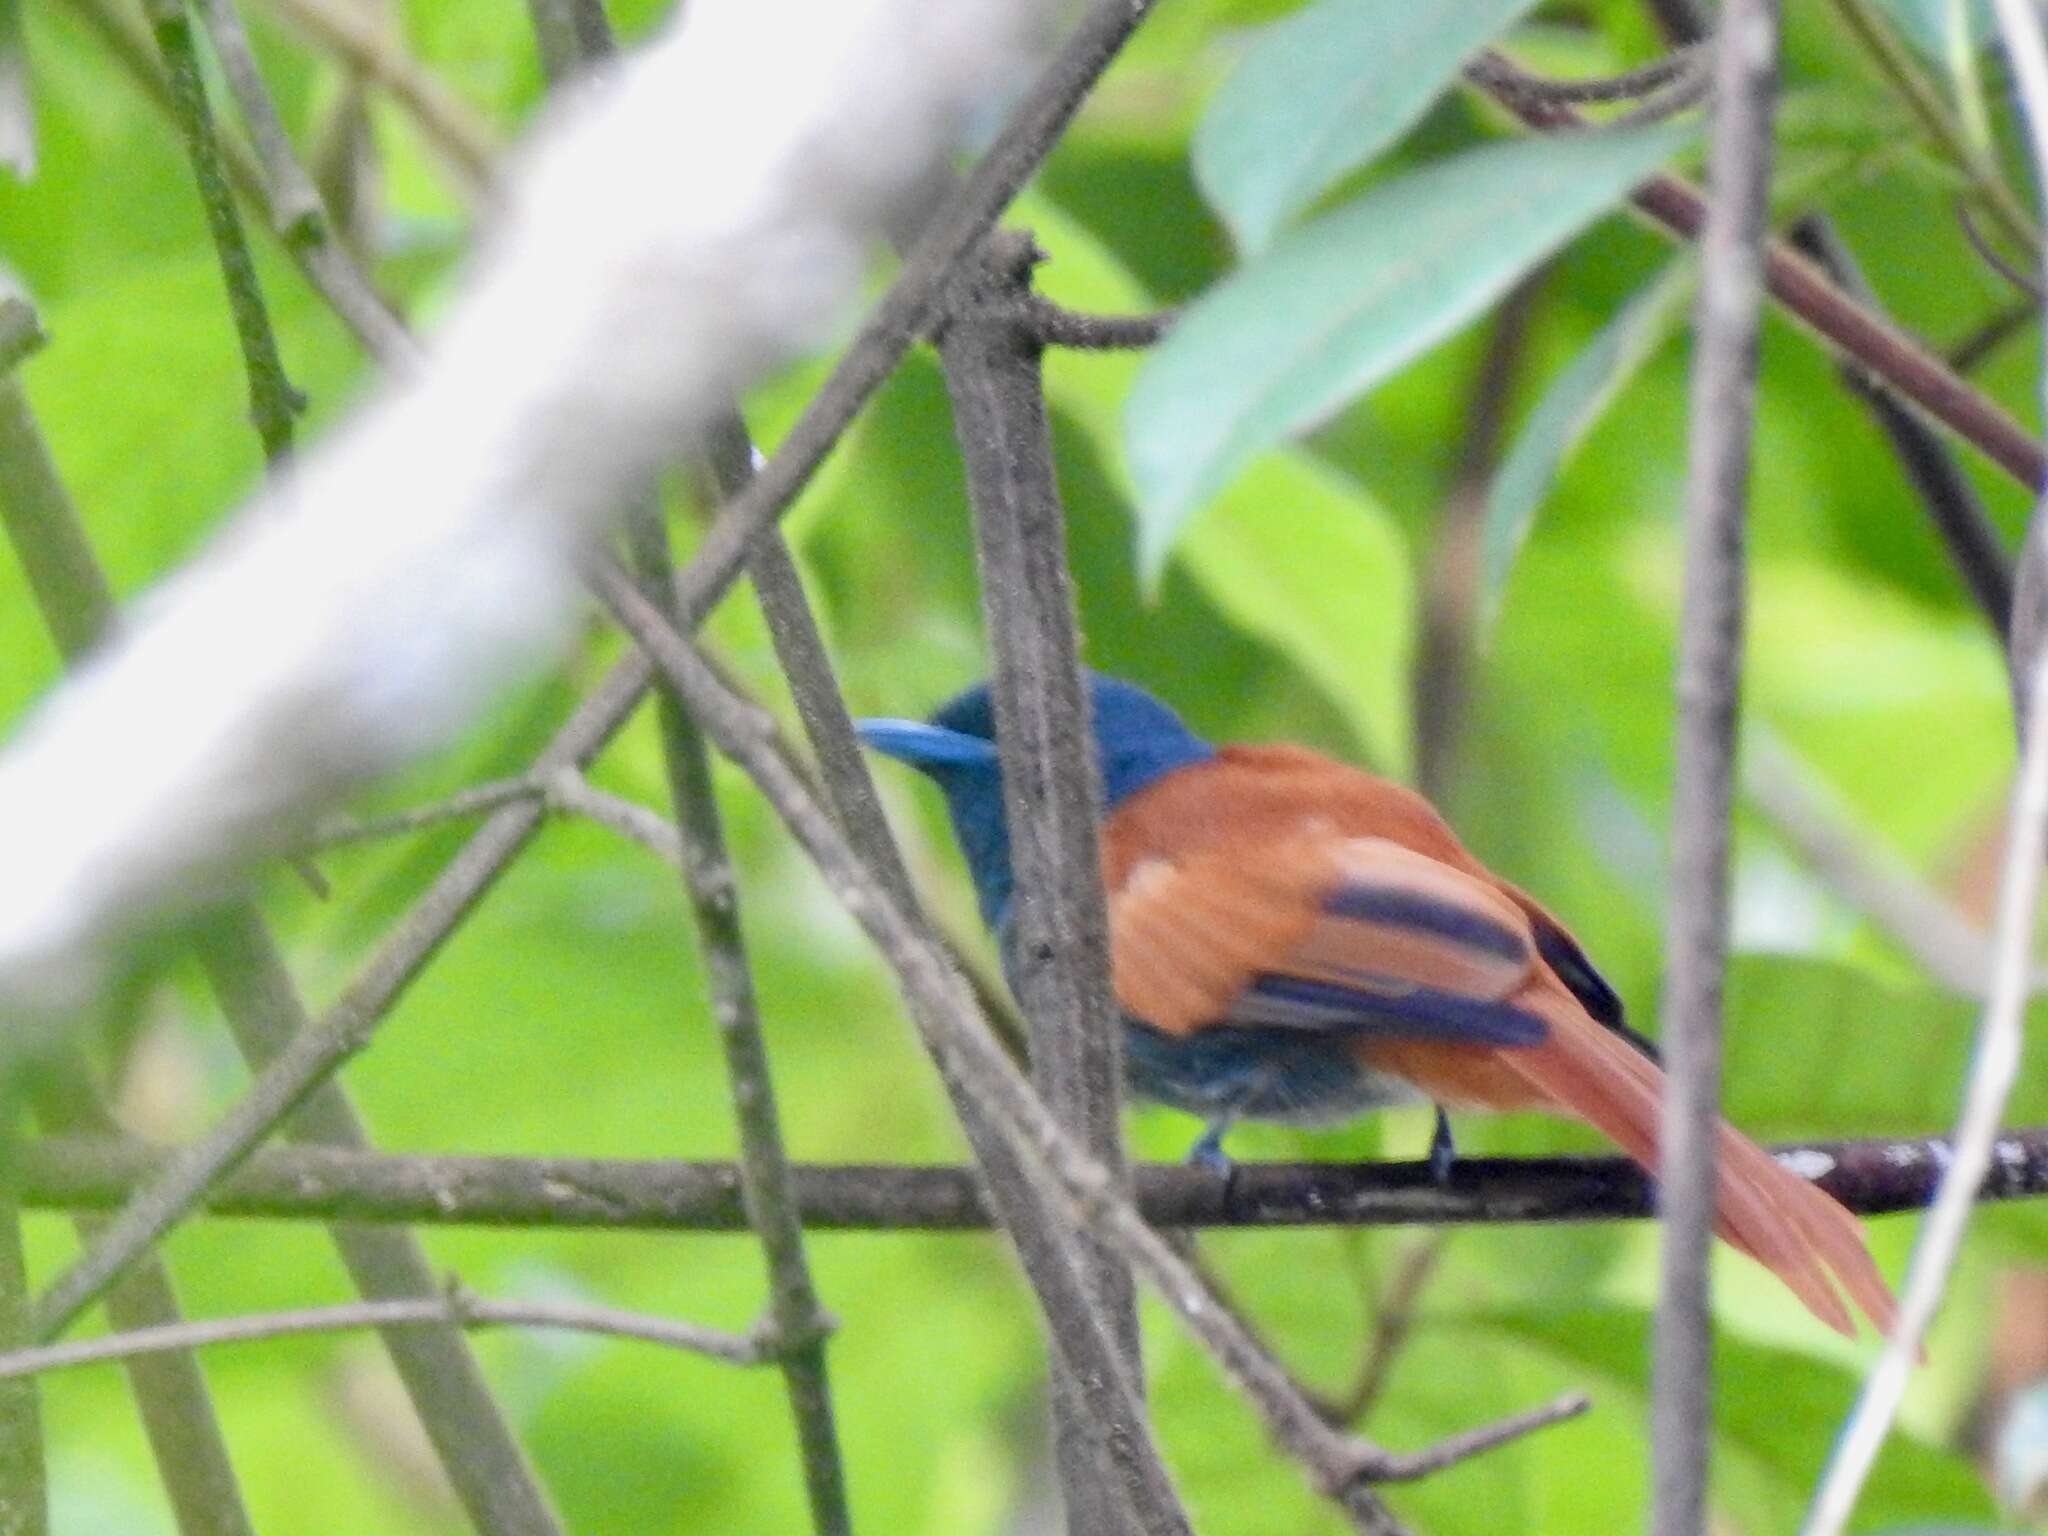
(1298,940)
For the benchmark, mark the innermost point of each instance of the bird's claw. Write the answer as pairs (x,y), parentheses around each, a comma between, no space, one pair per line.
(1207,1153)
(1443,1148)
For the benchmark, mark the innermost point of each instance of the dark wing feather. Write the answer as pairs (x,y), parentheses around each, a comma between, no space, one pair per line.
(1562,953)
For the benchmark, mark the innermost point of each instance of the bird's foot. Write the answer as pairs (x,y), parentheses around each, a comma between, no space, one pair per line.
(1207,1153)
(1443,1148)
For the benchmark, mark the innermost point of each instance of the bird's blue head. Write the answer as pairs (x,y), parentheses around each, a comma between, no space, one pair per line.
(1137,740)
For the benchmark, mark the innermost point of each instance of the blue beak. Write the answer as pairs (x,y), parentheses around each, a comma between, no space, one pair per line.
(924,746)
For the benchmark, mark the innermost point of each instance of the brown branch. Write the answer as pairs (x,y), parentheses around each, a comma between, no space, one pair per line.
(1503,78)
(1873,341)
(1975,546)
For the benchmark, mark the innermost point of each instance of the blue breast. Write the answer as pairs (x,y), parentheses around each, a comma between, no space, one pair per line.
(1290,1075)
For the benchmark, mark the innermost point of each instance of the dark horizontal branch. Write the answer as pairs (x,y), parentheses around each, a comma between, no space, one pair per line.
(306,1183)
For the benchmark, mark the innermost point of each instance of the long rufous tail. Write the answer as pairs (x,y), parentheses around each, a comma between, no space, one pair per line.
(1794,1229)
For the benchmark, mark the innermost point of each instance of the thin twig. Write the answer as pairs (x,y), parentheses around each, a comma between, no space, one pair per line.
(294,204)
(712,888)
(1968,354)
(1951,503)
(454,1310)
(1869,338)
(477,800)
(1994,1067)
(1994,259)
(1393,1321)
(365,313)
(1883,1176)
(24,1489)
(1054,325)
(2001,1036)
(570,791)
(1504,78)
(1930,108)
(1056,941)
(296,208)
(1975,546)
(1451,574)
(77,605)
(314,1053)
(354,34)
(273,402)
(1709,694)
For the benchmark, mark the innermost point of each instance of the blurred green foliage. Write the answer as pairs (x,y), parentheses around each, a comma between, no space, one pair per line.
(568,1016)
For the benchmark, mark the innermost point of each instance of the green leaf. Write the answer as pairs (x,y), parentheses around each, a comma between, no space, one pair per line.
(1925,23)
(1776,1414)
(1794,1066)
(1342,302)
(1321,93)
(1575,400)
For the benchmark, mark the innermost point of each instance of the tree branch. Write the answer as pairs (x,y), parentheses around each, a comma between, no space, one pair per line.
(1709,695)
(273,402)
(712,888)
(352,33)
(1056,949)
(170,1391)
(453,1310)
(1343,1467)
(1877,1177)
(128,42)
(296,207)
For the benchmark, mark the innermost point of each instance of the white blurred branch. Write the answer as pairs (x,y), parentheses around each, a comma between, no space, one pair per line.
(422,557)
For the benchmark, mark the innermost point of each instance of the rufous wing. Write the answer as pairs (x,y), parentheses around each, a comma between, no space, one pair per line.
(1314,930)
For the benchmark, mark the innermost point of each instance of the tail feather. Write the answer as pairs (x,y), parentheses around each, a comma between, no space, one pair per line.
(1794,1229)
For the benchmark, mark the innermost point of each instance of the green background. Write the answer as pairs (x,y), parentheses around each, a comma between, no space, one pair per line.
(568,1016)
